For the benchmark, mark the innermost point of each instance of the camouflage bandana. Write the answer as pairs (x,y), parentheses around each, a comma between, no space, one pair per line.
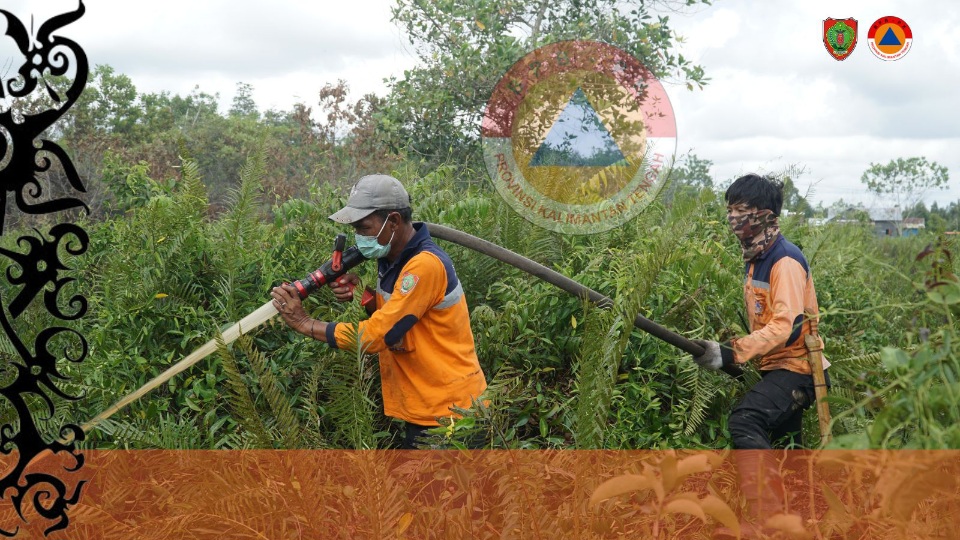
(756,231)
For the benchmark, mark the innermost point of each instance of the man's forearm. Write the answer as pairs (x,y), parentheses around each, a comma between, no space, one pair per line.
(313,328)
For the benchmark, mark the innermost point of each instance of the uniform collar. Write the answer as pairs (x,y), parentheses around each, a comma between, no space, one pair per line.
(421,234)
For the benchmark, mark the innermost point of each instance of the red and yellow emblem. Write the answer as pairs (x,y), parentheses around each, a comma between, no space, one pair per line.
(840,37)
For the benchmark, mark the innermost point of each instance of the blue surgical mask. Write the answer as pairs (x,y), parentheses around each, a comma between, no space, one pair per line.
(370,247)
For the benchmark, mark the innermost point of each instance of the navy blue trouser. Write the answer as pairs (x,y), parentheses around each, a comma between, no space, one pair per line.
(772,411)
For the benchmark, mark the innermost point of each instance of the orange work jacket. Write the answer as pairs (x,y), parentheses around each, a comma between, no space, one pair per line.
(421,328)
(781,303)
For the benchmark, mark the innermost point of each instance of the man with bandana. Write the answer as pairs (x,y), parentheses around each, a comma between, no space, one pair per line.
(419,324)
(782,309)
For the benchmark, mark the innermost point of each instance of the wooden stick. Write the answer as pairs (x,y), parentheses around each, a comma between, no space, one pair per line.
(248,323)
(815,357)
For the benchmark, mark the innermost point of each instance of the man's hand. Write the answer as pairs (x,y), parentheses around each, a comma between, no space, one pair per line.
(341,289)
(711,358)
(287,302)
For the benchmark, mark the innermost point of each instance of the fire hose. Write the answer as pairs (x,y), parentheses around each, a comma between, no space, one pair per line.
(563,282)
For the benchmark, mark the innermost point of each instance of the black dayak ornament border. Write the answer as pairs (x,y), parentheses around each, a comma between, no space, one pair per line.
(37,265)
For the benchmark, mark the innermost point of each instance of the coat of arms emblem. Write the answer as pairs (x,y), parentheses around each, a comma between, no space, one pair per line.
(840,37)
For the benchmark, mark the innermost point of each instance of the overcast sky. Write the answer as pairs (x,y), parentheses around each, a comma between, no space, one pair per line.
(776,98)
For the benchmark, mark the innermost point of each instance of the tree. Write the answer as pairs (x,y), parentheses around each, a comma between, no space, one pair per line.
(688,177)
(918,210)
(465,46)
(904,182)
(108,105)
(952,215)
(793,200)
(243,103)
(694,172)
(845,211)
(936,224)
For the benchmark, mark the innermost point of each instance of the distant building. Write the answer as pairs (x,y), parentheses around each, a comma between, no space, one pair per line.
(817,221)
(885,221)
(913,225)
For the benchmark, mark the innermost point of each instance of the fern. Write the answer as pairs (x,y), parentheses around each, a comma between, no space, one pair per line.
(861,361)
(693,411)
(238,234)
(310,407)
(239,399)
(166,431)
(347,384)
(502,389)
(287,423)
(191,192)
(634,275)
(596,376)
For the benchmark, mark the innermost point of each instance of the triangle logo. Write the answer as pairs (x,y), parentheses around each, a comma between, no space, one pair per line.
(578,139)
(890,38)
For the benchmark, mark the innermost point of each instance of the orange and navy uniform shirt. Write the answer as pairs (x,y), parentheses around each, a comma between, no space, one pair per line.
(421,328)
(781,301)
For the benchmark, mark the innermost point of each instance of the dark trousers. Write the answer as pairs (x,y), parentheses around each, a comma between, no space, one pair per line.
(414,436)
(772,411)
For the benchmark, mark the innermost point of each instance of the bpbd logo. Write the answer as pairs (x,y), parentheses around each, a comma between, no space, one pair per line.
(575,136)
(889,38)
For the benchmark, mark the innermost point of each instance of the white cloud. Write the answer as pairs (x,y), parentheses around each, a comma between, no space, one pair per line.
(833,165)
(286,49)
(776,98)
(709,36)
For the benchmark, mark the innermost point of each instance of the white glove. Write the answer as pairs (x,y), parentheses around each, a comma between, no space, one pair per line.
(711,358)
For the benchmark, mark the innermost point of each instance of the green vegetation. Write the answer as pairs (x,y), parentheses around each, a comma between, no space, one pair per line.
(198,213)
(164,275)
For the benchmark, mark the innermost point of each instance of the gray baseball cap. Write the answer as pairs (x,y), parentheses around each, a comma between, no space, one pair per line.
(371,193)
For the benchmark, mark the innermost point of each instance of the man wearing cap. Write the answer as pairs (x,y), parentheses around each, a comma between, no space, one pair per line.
(420,325)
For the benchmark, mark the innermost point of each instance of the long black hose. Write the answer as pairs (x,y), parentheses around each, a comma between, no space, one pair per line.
(563,282)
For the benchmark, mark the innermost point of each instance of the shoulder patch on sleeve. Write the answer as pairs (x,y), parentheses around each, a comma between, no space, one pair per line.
(407,282)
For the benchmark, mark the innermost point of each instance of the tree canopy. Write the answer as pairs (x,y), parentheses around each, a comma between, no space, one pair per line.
(433,112)
(904,182)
